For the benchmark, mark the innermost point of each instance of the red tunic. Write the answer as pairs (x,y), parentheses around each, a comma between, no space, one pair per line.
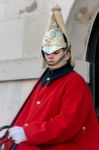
(60,116)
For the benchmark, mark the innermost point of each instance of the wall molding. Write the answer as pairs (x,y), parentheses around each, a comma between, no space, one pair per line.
(20,69)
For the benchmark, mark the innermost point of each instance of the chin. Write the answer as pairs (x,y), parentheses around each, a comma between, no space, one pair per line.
(54,67)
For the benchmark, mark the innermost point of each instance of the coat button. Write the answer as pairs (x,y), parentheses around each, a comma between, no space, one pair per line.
(48,79)
(84,128)
(38,102)
(26,124)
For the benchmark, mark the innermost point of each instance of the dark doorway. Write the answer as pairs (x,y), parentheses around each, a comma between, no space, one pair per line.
(93,57)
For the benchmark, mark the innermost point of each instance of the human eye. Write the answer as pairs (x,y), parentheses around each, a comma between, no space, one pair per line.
(56,52)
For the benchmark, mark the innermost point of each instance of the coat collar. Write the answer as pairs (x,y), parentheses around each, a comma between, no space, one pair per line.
(51,75)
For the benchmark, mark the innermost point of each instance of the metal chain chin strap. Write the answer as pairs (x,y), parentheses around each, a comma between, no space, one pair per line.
(61,58)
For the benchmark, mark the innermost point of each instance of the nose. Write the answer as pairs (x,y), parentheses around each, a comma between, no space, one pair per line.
(51,56)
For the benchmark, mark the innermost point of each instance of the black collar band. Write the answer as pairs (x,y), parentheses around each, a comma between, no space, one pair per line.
(51,75)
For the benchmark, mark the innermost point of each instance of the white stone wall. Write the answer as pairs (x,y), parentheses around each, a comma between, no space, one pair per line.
(11,37)
(22,25)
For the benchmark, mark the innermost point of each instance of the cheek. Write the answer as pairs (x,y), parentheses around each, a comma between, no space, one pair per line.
(67,57)
(59,56)
(46,57)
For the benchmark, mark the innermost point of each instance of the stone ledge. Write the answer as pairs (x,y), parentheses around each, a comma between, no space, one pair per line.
(20,69)
(32,68)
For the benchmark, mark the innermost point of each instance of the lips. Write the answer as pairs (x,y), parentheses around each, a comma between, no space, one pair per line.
(51,61)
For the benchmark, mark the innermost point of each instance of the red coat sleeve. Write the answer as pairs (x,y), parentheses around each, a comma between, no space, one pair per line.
(69,122)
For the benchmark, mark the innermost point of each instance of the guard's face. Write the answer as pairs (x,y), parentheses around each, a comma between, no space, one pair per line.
(54,57)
